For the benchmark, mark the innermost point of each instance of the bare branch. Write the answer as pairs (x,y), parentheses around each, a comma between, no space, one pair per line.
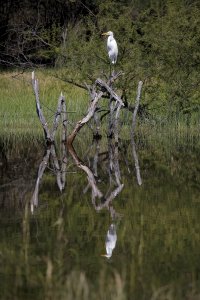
(40,114)
(89,115)
(110,198)
(137,166)
(91,179)
(136,105)
(57,117)
(41,169)
(104,85)
(56,166)
(71,81)
(116,129)
(64,120)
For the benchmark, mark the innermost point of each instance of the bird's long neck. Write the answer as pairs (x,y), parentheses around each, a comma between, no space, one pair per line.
(110,38)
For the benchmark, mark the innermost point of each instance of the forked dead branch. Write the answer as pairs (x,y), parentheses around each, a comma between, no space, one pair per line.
(100,89)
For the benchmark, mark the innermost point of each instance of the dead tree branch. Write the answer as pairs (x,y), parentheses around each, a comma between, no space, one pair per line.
(95,97)
(64,120)
(105,200)
(40,114)
(56,167)
(41,169)
(90,176)
(61,110)
(60,171)
(136,105)
(57,117)
(105,86)
(137,166)
(116,124)
(89,115)
(109,199)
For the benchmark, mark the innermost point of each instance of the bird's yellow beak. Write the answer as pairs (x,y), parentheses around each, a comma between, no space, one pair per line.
(104,255)
(105,33)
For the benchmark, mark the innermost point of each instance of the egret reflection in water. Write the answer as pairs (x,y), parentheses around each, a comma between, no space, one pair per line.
(111,239)
(100,200)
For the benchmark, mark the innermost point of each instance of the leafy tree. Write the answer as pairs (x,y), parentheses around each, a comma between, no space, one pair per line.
(158,43)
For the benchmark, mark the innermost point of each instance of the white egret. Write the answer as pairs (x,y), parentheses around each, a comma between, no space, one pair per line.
(111,239)
(112,47)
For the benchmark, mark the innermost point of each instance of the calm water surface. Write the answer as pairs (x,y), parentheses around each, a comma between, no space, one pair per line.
(100,221)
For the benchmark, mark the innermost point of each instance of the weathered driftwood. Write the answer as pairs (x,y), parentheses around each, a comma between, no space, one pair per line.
(97,122)
(96,95)
(60,171)
(49,134)
(83,121)
(137,166)
(40,114)
(96,193)
(116,165)
(113,156)
(57,117)
(63,167)
(56,167)
(64,120)
(116,123)
(105,86)
(111,118)
(96,158)
(90,176)
(64,139)
(96,91)
(115,104)
(137,102)
(109,199)
(41,169)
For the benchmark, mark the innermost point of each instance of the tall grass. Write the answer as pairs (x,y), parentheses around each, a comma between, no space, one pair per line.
(18,114)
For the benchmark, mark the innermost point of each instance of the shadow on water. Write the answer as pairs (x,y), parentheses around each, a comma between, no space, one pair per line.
(121,222)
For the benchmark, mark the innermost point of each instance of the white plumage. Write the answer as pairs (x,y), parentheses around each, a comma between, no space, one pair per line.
(111,239)
(111,46)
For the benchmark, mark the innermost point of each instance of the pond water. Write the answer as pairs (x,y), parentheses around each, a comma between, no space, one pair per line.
(100,221)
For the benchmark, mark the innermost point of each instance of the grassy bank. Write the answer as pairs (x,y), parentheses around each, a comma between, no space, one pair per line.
(18,114)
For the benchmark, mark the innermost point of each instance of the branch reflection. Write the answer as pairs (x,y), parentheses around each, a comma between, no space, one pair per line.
(109,162)
(50,157)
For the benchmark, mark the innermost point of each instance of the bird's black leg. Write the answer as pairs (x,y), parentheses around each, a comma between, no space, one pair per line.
(113,72)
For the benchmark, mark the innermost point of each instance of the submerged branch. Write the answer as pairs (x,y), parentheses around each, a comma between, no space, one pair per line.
(137,166)
(41,169)
(90,176)
(107,199)
(110,198)
(56,167)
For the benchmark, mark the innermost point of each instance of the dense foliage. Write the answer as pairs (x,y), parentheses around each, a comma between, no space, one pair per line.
(159,43)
